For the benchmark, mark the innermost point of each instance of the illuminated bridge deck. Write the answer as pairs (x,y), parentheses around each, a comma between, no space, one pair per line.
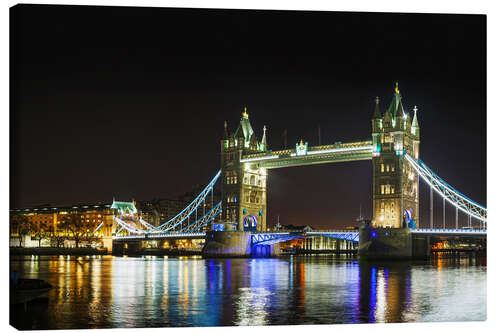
(267,238)
(304,155)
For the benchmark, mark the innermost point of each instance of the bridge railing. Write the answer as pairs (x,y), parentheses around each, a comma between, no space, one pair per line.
(162,235)
(449,231)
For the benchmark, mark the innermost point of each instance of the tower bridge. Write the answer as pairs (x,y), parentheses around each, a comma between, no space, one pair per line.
(239,222)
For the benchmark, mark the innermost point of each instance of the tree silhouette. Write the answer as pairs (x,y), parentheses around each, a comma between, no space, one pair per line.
(57,237)
(76,226)
(21,226)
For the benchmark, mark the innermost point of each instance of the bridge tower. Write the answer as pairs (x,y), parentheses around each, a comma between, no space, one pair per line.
(244,185)
(395,184)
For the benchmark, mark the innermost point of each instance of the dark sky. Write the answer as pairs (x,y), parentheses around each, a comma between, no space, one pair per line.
(130,102)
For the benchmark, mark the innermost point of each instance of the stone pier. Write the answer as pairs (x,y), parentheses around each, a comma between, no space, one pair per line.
(219,244)
(385,243)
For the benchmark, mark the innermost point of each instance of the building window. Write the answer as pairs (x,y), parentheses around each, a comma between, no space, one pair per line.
(252,180)
(382,167)
(393,168)
(387,168)
(382,189)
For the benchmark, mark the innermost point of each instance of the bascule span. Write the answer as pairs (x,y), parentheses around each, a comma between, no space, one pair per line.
(373,242)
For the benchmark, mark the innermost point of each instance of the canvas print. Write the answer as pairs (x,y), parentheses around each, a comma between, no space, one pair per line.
(220,167)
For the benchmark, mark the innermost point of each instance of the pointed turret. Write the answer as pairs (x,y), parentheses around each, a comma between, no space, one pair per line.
(396,100)
(377,117)
(263,143)
(376,113)
(415,129)
(226,135)
(244,130)
(400,112)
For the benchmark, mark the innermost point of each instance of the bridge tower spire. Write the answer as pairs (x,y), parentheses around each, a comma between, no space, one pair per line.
(244,185)
(415,129)
(395,186)
(263,143)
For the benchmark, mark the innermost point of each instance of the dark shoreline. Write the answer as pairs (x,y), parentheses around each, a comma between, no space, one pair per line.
(42,251)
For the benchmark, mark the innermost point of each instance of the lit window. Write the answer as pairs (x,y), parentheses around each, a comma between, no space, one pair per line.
(387,168)
(382,167)
(382,189)
(393,168)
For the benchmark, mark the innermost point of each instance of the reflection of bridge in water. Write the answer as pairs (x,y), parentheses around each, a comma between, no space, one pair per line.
(237,225)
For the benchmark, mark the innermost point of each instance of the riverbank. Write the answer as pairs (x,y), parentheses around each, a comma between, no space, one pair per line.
(40,251)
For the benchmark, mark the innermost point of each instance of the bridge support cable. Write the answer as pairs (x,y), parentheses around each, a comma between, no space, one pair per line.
(146,224)
(432,208)
(456,218)
(184,215)
(450,194)
(98,227)
(129,227)
(444,214)
(203,221)
(470,222)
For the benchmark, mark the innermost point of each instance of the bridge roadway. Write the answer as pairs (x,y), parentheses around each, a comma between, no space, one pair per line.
(273,237)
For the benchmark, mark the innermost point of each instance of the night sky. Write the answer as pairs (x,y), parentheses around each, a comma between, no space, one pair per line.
(130,102)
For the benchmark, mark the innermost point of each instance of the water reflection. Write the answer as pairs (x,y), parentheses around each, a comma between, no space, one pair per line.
(92,292)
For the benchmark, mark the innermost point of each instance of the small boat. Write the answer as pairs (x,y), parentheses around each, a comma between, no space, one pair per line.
(26,290)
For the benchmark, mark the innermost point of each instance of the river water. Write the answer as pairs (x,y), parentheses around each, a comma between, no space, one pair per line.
(106,291)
